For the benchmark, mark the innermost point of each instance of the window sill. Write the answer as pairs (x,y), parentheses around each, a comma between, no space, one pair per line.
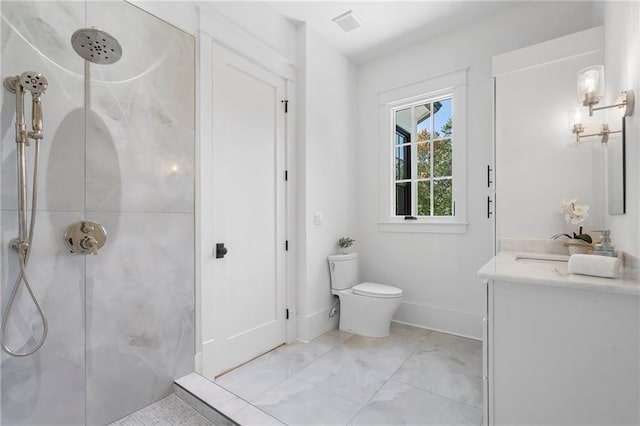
(424,227)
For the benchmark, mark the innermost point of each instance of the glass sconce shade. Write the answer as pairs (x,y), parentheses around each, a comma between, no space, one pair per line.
(575,116)
(590,85)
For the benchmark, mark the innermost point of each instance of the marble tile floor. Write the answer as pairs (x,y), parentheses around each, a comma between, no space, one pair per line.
(413,377)
(168,411)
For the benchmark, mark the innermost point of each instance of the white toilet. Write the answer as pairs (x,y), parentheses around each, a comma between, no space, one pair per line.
(365,308)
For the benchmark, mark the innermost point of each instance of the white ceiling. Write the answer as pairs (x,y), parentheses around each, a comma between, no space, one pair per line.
(386,25)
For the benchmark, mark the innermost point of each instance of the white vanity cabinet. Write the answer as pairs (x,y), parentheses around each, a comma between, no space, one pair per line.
(560,349)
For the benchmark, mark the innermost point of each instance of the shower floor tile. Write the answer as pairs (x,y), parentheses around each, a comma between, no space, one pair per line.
(168,411)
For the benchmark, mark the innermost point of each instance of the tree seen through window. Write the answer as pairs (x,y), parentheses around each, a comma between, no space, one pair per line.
(432,180)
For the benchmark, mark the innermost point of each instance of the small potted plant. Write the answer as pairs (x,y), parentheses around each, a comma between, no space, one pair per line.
(576,214)
(344,243)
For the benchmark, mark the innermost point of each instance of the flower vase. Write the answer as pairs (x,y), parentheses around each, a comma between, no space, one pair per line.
(344,250)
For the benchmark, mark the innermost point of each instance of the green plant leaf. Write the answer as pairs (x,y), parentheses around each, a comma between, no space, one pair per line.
(584,237)
(345,242)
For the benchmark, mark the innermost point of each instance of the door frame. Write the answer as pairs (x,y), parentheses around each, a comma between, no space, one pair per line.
(216,29)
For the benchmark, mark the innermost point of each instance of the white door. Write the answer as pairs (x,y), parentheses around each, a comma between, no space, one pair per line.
(247,314)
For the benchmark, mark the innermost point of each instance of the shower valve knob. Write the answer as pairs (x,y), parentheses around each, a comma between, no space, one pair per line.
(87,228)
(85,237)
(90,244)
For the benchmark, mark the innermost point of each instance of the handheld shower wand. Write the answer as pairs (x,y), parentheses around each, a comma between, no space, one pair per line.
(36,84)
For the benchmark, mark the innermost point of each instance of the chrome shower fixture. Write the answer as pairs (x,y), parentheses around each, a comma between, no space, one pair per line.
(36,84)
(96,46)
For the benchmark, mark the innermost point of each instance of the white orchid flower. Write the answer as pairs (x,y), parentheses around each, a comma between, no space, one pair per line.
(574,213)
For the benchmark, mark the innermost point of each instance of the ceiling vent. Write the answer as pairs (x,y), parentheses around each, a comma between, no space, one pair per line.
(348,21)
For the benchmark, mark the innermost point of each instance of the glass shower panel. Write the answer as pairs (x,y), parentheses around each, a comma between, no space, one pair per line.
(48,386)
(119,150)
(140,187)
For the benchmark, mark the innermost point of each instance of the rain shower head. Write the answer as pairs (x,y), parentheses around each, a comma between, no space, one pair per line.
(96,46)
(33,82)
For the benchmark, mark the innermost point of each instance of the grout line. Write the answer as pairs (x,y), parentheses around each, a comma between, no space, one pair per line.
(362,406)
(421,341)
(438,394)
(435,393)
(389,379)
(248,401)
(293,376)
(262,393)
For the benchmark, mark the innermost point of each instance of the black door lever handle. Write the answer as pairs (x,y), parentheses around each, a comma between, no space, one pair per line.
(221,250)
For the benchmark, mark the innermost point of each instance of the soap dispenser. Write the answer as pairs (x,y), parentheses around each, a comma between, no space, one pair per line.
(604,247)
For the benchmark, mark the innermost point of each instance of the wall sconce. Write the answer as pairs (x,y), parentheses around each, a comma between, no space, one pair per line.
(590,86)
(590,91)
(605,131)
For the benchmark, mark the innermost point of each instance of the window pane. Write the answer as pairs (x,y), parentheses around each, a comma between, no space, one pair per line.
(424,160)
(442,118)
(423,122)
(403,162)
(424,198)
(403,199)
(441,158)
(442,198)
(403,126)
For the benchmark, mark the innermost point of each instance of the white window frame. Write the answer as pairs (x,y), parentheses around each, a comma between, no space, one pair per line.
(455,84)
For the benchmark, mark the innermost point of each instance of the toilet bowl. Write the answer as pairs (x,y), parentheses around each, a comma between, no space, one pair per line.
(366,308)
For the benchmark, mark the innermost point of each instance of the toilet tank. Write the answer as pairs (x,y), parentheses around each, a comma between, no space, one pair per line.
(343,269)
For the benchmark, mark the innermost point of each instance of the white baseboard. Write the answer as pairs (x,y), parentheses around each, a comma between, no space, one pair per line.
(313,325)
(438,319)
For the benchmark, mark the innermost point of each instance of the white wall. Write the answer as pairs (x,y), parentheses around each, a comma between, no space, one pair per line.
(622,68)
(538,162)
(260,20)
(183,15)
(327,168)
(252,17)
(437,271)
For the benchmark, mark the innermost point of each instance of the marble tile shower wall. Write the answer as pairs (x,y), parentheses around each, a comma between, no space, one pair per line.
(121,324)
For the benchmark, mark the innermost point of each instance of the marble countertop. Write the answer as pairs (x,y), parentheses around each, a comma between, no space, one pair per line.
(505,267)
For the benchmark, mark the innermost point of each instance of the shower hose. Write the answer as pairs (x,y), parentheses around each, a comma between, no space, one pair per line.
(23,248)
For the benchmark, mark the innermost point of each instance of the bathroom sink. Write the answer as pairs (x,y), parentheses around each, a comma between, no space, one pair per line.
(557,264)
(542,256)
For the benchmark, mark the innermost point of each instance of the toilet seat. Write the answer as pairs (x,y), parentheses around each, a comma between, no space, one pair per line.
(379,291)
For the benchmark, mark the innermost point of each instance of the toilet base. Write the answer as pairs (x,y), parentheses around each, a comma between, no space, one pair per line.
(366,316)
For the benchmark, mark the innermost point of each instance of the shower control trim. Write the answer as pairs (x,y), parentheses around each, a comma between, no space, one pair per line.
(85,237)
